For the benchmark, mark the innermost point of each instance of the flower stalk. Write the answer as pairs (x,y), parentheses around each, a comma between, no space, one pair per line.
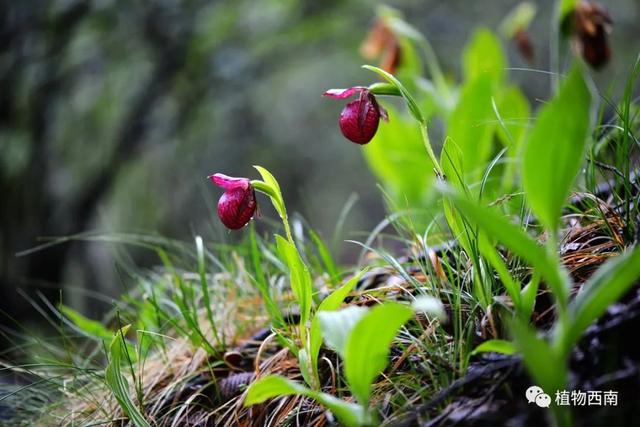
(427,145)
(268,190)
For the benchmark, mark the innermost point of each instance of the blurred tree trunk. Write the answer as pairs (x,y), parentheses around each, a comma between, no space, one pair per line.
(33,211)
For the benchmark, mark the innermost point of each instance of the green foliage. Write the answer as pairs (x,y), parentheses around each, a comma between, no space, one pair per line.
(555,149)
(271,386)
(331,303)
(396,156)
(471,127)
(186,301)
(325,255)
(410,36)
(270,186)
(299,275)
(512,111)
(117,381)
(566,7)
(414,109)
(491,254)
(494,346)
(204,287)
(366,352)
(337,326)
(90,327)
(261,281)
(483,56)
(547,368)
(604,288)
(516,240)
(411,102)
(518,19)
(362,338)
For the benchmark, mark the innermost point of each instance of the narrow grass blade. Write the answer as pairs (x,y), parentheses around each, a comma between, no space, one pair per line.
(118,383)
(604,288)
(367,347)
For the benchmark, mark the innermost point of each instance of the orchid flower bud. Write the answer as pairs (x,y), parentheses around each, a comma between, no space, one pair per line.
(524,45)
(591,26)
(359,119)
(238,204)
(381,42)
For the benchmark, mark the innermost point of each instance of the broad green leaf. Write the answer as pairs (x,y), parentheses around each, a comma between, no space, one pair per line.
(118,383)
(516,240)
(300,277)
(495,346)
(451,160)
(368,345)
(604,288)
(411,102)
(336,298)
(472,123)
(513,113)
(548,370)
(555,150)
(331,303)
(90,327)
(271,386)
(337,325)
(484,56)
(471,126)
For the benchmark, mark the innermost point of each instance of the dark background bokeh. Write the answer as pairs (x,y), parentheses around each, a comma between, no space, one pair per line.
(113,112)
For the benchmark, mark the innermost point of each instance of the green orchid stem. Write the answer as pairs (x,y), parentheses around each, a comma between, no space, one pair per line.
(432,155)
(266,189)
(552,250)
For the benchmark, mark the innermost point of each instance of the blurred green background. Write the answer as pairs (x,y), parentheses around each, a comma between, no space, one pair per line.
(113,112)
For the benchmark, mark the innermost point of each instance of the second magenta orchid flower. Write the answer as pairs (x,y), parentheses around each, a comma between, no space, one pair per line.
(359,119)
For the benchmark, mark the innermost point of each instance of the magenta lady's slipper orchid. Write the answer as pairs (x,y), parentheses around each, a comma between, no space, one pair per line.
(591,26)
(359,119)
(238,204)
